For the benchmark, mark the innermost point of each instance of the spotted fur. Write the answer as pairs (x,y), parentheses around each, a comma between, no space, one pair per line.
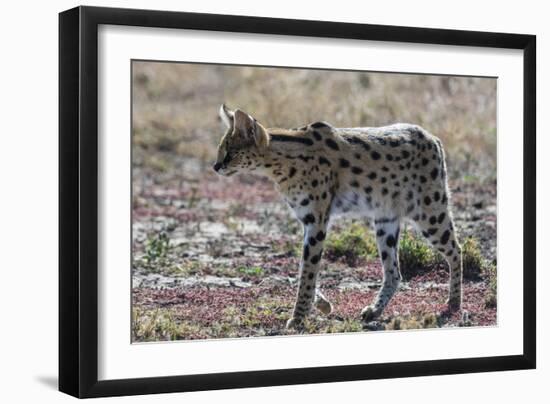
(390,174)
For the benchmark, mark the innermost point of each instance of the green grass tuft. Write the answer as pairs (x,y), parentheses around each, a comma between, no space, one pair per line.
(154,325)
(414,254)
(156,248)
(413,322)
(251,271)
(490,273)
(472,260)
(351,244)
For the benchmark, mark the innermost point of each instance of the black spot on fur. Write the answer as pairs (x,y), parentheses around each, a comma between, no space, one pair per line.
(354,184)
(344,163)
(433,220)
(436,196)
(427,200)
(315,259)
(441,218)
(312,241)
(405,154)
(390,241)
(385,220)
(375,155)
(368,189)
(356,170)
(332,144)
(357,140)
(296,139)
(384,191)
(324,160)
(309,218)
(305,202)
(306,252)
(434,173)
(317,125)
(384,255)
(314,183)
(317,135)
(380,233)
(445,237)
(292,172)
(423,179)
(372,175)
(320,236)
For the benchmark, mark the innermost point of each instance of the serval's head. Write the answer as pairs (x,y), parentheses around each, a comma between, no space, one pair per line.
(242,145)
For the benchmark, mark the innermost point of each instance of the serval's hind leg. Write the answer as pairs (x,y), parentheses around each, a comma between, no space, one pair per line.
(438,228)
(387,238)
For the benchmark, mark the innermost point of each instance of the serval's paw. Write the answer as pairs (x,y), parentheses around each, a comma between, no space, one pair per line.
(453,304)
(370,313)
(295,323)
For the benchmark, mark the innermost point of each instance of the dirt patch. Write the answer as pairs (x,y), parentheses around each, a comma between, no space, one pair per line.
(227,263)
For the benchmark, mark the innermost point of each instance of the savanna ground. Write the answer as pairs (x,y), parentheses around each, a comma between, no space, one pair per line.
(218,257)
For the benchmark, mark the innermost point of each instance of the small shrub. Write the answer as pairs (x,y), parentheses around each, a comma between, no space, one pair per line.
(251,271)
(472,260)
(156,248)
(491,297)
(185,268)
(290,248)
(351,244)
(414,254)
(348,325)
(153,325)
(412,322)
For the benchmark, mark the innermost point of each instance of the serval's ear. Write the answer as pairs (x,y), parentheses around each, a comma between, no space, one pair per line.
(250,129)
(227,116)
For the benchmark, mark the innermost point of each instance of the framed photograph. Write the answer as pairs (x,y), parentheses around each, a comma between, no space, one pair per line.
(251,201)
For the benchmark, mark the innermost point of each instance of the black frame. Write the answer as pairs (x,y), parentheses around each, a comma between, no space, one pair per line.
(78,206)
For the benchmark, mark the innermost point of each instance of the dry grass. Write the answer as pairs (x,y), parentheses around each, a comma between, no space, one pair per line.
(175,106)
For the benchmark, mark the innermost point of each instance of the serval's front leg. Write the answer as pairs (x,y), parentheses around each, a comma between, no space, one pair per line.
(314,236)
(387,238)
